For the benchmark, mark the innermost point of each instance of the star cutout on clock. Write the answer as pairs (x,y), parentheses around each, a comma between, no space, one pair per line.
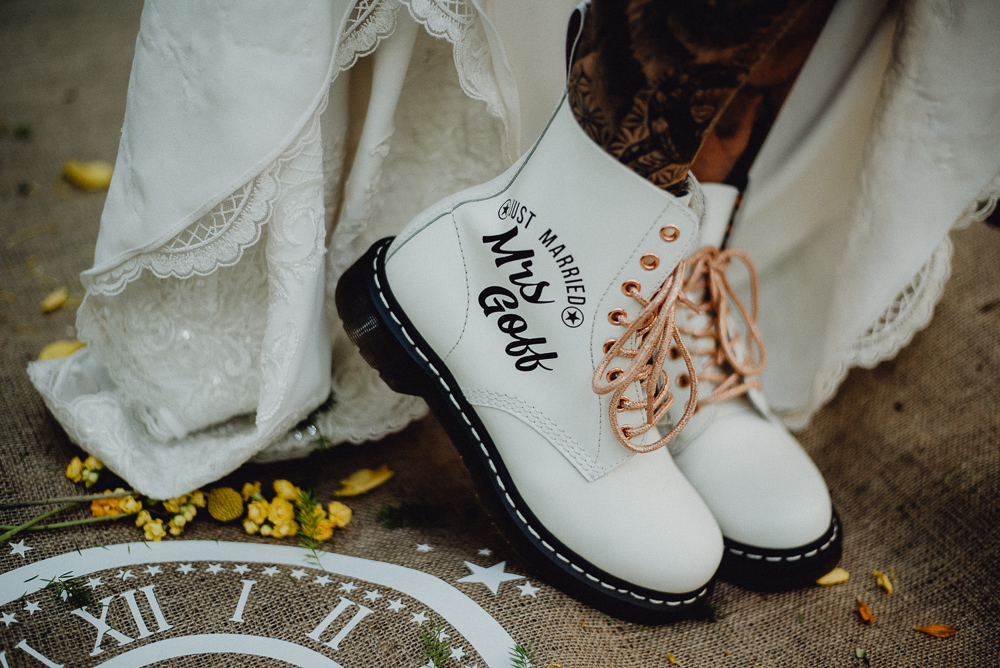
(185,568)
(19,548)
(93,583)
(348,587)
(8,619)
(298,573)
(271,571)
(372,595)
(457,653)
(418,618)
(528,590)
(485,552)
(321,580)
(214,569)
(153,570)
(241,569)
(124,575)
(32,607)
(492,577)
(396,605)
(424,547)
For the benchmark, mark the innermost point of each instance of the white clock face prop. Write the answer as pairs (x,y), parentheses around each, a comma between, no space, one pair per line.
(337,600)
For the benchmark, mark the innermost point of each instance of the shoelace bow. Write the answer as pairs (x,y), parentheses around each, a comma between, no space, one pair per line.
(655,327)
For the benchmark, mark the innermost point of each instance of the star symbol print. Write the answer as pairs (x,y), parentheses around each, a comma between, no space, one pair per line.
(492,577)
(185,568)
(32,607)
(572,317)
(528,590)
(322,580)
(424,547)
(19,549)
(152,570)
(8,619)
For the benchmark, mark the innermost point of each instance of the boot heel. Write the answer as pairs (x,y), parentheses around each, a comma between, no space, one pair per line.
(370,327)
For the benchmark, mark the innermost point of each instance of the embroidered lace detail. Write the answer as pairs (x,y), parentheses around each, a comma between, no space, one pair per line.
(369,23)
(458,22)
(908,313)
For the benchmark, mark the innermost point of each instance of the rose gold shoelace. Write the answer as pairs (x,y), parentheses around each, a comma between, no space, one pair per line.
(723,367)
(655,327)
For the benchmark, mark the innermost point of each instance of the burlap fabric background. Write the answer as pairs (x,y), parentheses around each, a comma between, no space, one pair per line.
(910,450)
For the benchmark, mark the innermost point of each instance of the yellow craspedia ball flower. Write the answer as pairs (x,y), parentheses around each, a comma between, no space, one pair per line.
(225,504)
(340,514)
(281,511)
(286,490)
(154,530)
(58,349)
(75,470)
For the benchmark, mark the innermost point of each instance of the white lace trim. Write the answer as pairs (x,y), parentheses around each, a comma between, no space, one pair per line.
(909,312)
(370,22)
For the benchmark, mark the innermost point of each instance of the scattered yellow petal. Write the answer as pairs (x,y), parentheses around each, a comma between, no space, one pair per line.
(364,480)
(55,299)
(673,660)
(883,581)
(865,612)
(58,349)
(937,630)
(836,576)
(340,514)
(225,504)
(94,175)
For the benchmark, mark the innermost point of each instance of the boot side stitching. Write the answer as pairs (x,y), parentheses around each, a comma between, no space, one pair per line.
(489,459)
(465,274)
(794,557)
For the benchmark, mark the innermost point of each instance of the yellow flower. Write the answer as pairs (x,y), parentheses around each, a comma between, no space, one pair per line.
(258,510)
(105,507)
(188,511)
(286,490)
(324,530)
(266,529)
(93,463)
(154,530)
(197,497)
(225,504)
(75,470)
(129,504)
(250,526)
(340,514)
(177,523)
(285,529)
(173,506)
(364,480)
(251,490)
(143,518)
(58,349)
(281,511)
(54,300)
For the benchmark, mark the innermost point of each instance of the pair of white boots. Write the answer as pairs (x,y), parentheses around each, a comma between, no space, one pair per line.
(549,319)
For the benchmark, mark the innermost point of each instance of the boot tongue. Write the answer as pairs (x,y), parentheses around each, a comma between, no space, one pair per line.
(720,200)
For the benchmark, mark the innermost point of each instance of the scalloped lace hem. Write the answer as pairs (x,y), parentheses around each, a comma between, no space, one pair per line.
(909,313)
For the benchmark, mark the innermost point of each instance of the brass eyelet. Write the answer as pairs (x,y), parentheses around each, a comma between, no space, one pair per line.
(674,353)
(623,402)
(614,374)
(669,233)
(608,345)
(631,287)
(683,380)
(617,317)
(650,261)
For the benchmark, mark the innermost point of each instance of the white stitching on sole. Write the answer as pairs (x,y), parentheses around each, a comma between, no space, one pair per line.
(792,557)
(489,459)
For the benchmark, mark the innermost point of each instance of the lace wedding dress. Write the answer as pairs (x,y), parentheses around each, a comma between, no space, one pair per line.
(260,157)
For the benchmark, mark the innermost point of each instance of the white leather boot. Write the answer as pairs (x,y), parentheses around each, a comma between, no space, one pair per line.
(769,498)
(497,305)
